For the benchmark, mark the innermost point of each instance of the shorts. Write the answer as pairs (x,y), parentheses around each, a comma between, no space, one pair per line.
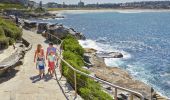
(41,67)
(51,65)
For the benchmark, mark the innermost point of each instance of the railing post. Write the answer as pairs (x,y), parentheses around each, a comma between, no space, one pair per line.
(131,96)
(75,83)
(115,96)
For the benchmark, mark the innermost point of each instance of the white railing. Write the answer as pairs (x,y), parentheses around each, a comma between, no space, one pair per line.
(115,87)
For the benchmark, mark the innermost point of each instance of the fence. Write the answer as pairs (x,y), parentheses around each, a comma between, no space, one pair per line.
(80,82)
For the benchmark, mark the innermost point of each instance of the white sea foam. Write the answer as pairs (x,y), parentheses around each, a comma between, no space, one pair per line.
(89,44)
(100,47)
(113,62)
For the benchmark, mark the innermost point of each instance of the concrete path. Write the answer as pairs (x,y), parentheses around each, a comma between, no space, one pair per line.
(26,84)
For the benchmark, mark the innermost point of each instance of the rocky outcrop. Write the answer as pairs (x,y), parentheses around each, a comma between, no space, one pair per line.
(30,25)
(110,55)
(115,75)
(42,27)
(90,50)
(13,60)
(60,31)
(122,78)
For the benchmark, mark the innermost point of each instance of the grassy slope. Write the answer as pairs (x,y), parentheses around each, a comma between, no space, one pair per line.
(10,6)
(9,32)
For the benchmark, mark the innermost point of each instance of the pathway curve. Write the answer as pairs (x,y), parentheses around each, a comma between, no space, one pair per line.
(26,84)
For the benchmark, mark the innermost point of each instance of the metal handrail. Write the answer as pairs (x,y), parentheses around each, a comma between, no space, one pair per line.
(97,79)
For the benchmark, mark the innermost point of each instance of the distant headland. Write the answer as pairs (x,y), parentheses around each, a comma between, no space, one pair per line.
(81,5)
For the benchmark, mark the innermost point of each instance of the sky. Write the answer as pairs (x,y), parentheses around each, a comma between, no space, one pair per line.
(92,1)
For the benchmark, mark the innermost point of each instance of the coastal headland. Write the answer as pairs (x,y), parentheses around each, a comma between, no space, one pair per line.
(97,65)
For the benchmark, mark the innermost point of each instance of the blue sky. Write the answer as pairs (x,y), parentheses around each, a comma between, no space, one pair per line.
(91,1)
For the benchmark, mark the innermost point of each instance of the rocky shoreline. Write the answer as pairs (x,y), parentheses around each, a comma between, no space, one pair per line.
(97,65)
(118,76)
(15,58)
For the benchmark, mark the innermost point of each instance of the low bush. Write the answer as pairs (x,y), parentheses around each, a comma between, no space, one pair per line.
(10,29)
(71,44)
(40,10)
(9,33)
(86,87)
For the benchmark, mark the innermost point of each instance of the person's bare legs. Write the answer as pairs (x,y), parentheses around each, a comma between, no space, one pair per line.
(43,72)
(40,73)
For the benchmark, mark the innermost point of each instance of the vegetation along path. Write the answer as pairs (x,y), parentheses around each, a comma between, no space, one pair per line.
(26,84)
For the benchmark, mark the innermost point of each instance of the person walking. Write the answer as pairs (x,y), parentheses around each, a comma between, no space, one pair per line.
(39,59)
(51,62)
(51,51)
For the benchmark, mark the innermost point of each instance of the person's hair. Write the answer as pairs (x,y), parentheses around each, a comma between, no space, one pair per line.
(51,43)
(51,53)
(39,48)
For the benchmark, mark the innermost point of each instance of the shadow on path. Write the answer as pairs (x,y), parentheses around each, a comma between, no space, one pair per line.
(10,73)
(35,78)
(47,41)
(47,77)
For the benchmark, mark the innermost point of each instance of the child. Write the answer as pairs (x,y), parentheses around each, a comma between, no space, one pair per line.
(41,66)
(51,62)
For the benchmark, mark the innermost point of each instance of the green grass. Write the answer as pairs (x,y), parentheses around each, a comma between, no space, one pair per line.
(10,6)
(86,87)
(9,32)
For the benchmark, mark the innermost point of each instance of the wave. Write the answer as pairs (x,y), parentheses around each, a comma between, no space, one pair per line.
(104,47)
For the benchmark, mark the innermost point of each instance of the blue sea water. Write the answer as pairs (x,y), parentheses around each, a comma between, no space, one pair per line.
(143,37)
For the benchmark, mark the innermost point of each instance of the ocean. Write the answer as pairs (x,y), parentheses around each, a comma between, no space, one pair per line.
(143,38)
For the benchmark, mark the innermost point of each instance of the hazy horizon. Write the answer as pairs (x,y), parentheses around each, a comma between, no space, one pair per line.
(93,1)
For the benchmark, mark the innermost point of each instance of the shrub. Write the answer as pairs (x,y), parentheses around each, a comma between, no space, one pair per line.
(71,44)
(40,10)
(9,33)
(10,29)
(4,42)
(86,87)
(11,41)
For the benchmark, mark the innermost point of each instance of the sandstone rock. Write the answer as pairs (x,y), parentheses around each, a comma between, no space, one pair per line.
(60,31)
(110,55)
(42,27)
(29,25)
(97,61)
(89,50)
(122,78)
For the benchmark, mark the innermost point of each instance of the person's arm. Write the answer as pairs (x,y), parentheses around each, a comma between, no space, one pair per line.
(44,62)
(46,53)
(35,56)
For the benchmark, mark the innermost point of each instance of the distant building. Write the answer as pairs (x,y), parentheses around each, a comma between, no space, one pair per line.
(23,2)
(81,4)
(32,4)
(52,5)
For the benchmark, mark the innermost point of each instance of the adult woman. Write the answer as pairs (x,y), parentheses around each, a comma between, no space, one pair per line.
(39,59)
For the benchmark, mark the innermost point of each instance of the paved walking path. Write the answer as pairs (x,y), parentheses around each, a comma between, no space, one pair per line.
(26,84)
